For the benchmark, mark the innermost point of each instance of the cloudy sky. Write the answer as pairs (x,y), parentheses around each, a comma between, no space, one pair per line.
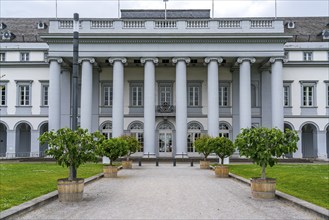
(109,8)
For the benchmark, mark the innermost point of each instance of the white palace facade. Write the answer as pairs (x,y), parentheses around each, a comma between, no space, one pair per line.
(166,81)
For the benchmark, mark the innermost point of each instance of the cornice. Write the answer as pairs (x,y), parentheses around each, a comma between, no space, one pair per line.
(15,64)
(307,64)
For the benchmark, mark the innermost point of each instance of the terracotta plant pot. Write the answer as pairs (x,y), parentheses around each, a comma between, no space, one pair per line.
(263,188)
(204,164)
(70,191)
(110,171)
(221,171)
(127,164)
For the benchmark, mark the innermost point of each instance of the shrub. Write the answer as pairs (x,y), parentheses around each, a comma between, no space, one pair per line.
(133,145)
(222,147)
(202,146)
(113,148)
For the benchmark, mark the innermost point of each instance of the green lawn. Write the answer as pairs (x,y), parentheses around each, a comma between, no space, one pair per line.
(20,182)
(309,182)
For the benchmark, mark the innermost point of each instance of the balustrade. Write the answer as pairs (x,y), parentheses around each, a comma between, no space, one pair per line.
(197,24)
(261,24)
(134,24)
(229,24)
(101,24)
(165,24)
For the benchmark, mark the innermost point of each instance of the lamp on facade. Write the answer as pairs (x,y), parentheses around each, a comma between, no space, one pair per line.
(165,1)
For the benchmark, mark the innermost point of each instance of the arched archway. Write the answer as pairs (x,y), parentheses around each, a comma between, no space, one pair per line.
(3,139)
(194,129)
(43,147)
(309,141)
(23,140)
(225,130)
(137,130)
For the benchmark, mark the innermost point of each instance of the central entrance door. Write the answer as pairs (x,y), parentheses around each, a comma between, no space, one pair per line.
(165,141)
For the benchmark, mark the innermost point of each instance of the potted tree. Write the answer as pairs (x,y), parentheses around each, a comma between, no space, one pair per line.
(264,146)
(222,147)
(202,146)
(71,149)
(113,149)
(133,147)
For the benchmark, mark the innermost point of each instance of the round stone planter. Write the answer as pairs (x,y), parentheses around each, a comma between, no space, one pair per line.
(110,171)
(70,191)
(263,188)
(127,164)
(204,164)
(221,171)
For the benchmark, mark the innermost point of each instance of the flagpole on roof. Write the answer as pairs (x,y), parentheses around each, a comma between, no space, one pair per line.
(213,8)
(118,8)
(56,8)
(275,9)
(165,1)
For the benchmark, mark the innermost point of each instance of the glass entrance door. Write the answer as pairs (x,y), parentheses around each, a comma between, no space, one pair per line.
(165,142)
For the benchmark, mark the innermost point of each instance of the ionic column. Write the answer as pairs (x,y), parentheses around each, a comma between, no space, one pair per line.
(86,92)
(54,93)
(118,96)
(149,105)
(245,91)
(276,92)
(213,105)
(181,105)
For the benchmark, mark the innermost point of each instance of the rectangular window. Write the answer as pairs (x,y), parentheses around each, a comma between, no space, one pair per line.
(308,56)
(286,96)
(327,94)
(194,94)
(137,94)
(25,56)
(107,95)
(45,90)
(24,95)
(308,96)
(224,94)
(2,57)
(2,95)
(165,93)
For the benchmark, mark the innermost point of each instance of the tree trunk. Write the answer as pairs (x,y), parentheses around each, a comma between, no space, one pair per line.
(72,173)
(263,171)
(222,160)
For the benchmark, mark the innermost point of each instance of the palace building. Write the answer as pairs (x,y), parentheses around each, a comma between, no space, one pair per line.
(165,81)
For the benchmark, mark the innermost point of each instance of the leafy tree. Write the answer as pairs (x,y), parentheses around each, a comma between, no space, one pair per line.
(222,147)
(113,148)
(202,146)
(133,145)
(264,145)
(71,148)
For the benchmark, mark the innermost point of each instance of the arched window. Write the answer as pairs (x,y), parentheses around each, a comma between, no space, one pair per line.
(165,126)
(224,130)
(107,130)
(193,133)
(137,131)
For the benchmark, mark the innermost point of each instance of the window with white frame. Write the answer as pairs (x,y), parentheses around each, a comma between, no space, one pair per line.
(136,94)
(44,94)
(287,93)
(106,130)
(224,130)
(308,56)
(165,93)
(137,131)
(107,94)
(24,93)
(327,86)
(25,56)
(224,94)
(3,94)
(308,93)
(194,94)
(2,57)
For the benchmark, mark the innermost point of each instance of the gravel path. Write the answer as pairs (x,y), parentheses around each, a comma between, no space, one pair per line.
(168,192)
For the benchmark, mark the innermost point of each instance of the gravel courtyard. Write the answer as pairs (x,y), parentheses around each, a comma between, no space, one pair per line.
(167,192)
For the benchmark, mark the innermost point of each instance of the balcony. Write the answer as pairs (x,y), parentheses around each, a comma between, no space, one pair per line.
(146,26)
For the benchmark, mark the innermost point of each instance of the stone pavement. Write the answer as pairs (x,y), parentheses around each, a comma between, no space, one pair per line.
(167,192)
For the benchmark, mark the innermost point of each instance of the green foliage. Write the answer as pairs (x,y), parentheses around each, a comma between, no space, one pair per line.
(222,147)
(21,182)
(113,148)
(201,146)
(133,144)
(305,181)
(70,148)
(264,145)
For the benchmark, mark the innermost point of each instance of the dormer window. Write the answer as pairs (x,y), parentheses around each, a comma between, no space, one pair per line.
(308,56)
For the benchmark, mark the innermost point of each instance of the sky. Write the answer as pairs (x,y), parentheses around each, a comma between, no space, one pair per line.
(109,8)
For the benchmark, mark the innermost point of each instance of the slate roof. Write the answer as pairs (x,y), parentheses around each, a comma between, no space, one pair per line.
(307,29)
(24,29)
(160,14)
